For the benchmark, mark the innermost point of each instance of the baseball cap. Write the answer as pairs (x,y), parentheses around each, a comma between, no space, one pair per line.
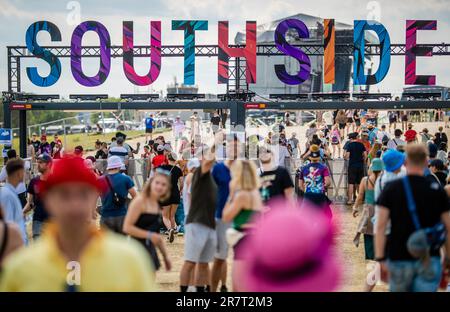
(69,169)
(44,158)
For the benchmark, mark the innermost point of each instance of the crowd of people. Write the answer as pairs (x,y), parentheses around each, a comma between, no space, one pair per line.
(221,198)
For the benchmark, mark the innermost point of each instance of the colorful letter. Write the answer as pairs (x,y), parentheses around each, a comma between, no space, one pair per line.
(105,54)
(189,28)
(155,54)
(282,45)
(359,78)
(329,38)
(412,26)
(46,55)
(249,52)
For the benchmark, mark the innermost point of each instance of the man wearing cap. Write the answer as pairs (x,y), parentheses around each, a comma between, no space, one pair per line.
(34,200)
(44,147)
(314,178)
(114,199)
(356,154)
(412,204)
(73,255)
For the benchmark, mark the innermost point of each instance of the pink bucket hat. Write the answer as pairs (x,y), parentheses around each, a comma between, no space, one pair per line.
(290,250)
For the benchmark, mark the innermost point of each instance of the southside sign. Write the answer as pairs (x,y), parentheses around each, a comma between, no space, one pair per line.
(225,52)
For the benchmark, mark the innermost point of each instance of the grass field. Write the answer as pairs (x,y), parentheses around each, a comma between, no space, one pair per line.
(87,140)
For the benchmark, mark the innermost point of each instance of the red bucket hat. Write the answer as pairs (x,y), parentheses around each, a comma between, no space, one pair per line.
(70,169)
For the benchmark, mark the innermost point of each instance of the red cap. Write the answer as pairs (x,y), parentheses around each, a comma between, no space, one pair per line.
(70,169)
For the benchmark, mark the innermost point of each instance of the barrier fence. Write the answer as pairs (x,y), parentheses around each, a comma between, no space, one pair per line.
(138,170)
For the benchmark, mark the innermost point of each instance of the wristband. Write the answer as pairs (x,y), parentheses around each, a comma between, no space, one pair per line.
(380,259)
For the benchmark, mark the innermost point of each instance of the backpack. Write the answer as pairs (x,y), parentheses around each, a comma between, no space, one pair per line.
(334,139)
(385,139)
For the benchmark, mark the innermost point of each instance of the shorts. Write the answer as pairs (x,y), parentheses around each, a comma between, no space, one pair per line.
(355,175)
(200,243)
(358,122)
(148,130)
(342,126)
(114,224)
(222,245)
(413,276)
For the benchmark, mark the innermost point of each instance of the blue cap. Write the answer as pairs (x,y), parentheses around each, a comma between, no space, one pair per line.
(393,160)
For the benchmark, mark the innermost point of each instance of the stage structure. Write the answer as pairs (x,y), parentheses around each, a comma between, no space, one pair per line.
(237,99)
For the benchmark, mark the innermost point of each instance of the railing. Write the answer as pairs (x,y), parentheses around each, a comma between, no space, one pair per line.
(138,170)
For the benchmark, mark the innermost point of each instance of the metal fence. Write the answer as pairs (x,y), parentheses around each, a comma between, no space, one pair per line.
(138,170)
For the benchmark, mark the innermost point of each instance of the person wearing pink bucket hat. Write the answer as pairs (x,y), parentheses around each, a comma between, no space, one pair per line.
(301,257)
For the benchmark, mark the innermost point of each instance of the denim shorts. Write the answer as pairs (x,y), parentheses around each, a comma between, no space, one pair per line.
(414,276)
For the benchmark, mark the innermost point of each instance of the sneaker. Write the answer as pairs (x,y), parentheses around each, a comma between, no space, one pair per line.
(223,288)
(171,235)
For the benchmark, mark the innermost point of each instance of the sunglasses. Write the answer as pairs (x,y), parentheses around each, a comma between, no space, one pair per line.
(162,171)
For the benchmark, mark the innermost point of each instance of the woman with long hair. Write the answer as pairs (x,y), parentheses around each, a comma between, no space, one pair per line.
(10,238)
(143,219)
(366,198)
(243,203)
(170,205)
(374,152)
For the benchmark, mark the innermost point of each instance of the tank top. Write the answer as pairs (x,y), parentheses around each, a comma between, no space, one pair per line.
(149,222)
(369,195)
(242,218)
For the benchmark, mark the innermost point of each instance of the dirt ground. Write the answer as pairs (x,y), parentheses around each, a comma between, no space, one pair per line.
(353,261)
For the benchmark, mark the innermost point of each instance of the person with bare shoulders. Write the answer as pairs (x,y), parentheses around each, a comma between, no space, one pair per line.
(243,204)
(143,218)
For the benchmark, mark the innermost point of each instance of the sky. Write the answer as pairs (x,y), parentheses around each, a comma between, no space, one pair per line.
(17,15)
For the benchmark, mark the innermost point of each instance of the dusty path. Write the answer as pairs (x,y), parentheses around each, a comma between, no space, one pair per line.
(353,258)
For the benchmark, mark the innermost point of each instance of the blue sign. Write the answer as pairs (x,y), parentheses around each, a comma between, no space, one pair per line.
(5,136)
